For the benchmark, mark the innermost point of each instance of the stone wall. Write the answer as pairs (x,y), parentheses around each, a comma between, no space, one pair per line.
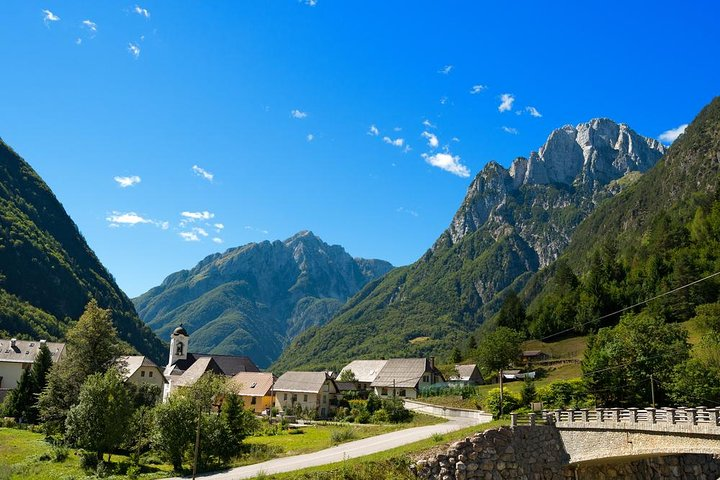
(522,453)
(689,467)
(538,453)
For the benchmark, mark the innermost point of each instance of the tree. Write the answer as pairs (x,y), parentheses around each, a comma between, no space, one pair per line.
(347,376)
(512,312)
(497,350)
(92,346)
(456,355)
(100,419)
(174,428)
(620,360)
(22,401)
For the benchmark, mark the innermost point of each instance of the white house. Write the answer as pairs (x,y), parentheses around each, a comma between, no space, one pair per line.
(16,356)
(312,391)
(403,377)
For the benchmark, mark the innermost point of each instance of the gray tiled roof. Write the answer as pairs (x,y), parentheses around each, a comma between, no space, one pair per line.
(253,384)
(134,362)
(196,370)
(365,370)
(25,351)
(304,382)
(464,372)
(402,373)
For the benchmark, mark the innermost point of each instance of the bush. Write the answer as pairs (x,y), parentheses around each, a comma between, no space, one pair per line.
(491,402)
(380,416)
(565,394)
(88,460)
(396,410)
(133,472)
(341,435)
(59,453)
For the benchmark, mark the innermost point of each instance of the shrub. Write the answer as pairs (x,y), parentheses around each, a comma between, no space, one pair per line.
(396,410)
(88,460)
(491,402)
(380,416)
(341,435)
(59,453)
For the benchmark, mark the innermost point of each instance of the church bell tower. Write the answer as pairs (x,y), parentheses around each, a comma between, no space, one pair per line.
(179,343)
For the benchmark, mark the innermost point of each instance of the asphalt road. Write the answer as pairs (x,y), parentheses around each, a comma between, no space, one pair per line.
(354,449)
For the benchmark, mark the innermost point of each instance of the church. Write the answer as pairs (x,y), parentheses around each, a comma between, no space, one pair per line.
(185,368)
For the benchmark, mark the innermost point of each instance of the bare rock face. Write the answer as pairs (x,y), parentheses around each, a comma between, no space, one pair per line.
(544,197)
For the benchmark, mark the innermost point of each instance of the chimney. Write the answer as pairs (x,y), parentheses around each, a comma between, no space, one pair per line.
(13,341)
(432,363)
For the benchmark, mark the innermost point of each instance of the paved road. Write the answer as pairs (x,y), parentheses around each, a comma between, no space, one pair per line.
(354,449)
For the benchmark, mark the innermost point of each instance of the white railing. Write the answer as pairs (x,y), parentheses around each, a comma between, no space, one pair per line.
(673,416)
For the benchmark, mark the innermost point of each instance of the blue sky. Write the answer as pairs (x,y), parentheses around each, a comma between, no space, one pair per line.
(361,121)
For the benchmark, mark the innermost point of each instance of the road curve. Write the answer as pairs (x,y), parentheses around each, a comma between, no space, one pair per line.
(339,453)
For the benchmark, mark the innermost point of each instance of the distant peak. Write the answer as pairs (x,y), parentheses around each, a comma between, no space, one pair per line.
(302,236)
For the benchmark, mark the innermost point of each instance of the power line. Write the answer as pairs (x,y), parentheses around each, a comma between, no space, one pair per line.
(631,306)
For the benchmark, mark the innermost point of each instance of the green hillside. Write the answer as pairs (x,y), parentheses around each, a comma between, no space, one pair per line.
(660,234)
(48,273)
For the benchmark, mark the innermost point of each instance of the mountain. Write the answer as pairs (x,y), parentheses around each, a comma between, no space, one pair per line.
(661,233)
(48,272)
(252,300)
(511,223)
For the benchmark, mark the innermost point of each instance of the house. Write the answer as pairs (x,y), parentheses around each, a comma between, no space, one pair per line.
(140,370)
(184,368)
(255,389)
(365,372)
(16,356)
(403,377)
(529,356)
(466,375)
(311,391)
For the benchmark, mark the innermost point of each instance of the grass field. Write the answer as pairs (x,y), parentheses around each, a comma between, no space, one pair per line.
(26,455)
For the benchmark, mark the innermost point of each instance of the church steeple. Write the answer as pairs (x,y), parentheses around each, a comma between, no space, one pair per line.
(179,344)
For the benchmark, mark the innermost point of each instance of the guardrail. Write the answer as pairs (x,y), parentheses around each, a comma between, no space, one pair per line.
(669,416)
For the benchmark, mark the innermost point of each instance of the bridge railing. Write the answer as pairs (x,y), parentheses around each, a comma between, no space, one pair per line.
(691,416)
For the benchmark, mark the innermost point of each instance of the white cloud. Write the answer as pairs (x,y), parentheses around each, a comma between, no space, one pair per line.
(125,182)
(163,225)
(412,213)
(455,139)
(448,162)
(477,89)
(219,226)
(426,123)
(201,172)
(398,142)
(134,49)
(217,240)
(671,135)
(310,137)
(298,114)
(129,218)
(189,236)
(443,100)
(192,216)
(201,231)
(373,131)
(49,16)
(78,41)
(141,11)
(506,100)
(446,69)
(254,229)
(432,139)
(533,112)
(510,130)
(310,3)
(92,26)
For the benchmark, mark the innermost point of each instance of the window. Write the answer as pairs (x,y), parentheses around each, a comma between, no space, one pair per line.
(426,378)
(149,374)
(142,373)
(253,400)
(179,348)
(402,393)
(324,398)
(383,391)
(285,396)
(305,398)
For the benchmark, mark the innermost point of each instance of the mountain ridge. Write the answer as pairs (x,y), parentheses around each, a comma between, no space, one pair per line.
(253,298)
(506,229)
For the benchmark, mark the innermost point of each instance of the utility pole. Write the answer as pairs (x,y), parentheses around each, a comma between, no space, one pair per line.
(393,388)
(197,442)
(500,375)
(652,390)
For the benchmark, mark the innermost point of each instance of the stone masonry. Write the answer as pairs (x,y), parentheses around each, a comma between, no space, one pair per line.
(524,453)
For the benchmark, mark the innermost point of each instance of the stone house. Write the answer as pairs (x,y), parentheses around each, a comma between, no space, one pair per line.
(140,370)
(312,391)
(403,377)
(255,389)
(466,375)
(365,372)
(16,356)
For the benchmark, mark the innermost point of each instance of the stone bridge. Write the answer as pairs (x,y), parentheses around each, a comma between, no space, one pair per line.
(606,434)
(589,444)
